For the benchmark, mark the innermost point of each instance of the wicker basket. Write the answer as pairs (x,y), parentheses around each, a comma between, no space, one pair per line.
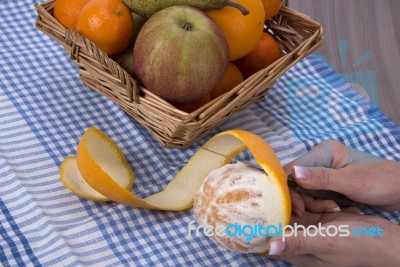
(297,34)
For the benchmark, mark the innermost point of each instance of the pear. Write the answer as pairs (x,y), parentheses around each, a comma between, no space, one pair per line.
(146,8)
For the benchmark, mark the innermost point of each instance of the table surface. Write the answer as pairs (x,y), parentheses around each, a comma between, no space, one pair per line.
(45,109)
(369,31)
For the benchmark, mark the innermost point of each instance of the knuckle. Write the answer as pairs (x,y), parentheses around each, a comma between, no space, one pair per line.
(298,246)
(330,145)
(324,176)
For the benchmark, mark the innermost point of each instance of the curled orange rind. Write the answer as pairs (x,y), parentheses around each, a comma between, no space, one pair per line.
(101,164)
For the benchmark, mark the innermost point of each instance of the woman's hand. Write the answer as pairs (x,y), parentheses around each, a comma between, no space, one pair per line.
(370,241)
(360,176)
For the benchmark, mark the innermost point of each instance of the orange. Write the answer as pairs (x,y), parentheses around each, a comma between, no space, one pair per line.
(66,11)
(264,54)
(241,31)
(271,8)
(108,24)
(243,195)
(193,105)
(232,77)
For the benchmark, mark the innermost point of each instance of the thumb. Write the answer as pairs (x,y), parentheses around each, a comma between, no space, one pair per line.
(325,178)
(294,245)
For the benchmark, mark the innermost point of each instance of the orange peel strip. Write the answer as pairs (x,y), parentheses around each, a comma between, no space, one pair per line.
(72,179)
(180,192)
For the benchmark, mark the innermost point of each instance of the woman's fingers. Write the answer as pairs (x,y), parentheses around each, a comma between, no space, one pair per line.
(297,203)
(320,205)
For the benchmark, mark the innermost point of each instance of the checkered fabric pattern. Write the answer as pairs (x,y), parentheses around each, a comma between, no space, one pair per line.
(45,108)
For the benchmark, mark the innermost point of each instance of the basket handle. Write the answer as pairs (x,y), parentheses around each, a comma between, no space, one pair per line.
(83,52)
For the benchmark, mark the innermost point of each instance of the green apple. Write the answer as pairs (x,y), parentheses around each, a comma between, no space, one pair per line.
(180,54)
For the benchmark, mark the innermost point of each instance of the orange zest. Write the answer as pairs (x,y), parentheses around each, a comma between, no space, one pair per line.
(271,8)
(103,166)
(67,11)
(108,24)
(231,78)
(266,52)
(241,32)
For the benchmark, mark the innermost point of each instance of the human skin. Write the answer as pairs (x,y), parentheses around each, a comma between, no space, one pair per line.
(351,250)
(360,176)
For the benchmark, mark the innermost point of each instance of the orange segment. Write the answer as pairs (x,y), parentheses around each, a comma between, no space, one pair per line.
(242,195)
(236,194)
(265,156)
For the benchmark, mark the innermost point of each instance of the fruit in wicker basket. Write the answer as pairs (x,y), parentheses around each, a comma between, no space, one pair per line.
(107,23)
(147,8)
(67,11)
(180,54)
(271,7)
(241,32)
(232,78)
(125,59)
(264,54)
(193,105)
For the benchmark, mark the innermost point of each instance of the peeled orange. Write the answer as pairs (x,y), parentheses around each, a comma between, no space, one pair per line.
(237,195)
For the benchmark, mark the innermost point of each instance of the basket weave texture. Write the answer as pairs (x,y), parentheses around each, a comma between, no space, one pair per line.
(297,34)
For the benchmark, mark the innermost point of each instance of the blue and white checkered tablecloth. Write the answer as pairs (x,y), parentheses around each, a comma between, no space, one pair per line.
(45,108)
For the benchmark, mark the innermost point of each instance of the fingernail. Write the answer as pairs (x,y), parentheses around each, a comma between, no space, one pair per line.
(301,172)
(277,247)
(333,210)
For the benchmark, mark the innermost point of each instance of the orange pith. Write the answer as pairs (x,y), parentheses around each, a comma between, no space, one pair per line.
(262,196)
(265,156)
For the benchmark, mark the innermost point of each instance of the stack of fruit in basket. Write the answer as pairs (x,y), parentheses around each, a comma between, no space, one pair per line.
(187,52)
